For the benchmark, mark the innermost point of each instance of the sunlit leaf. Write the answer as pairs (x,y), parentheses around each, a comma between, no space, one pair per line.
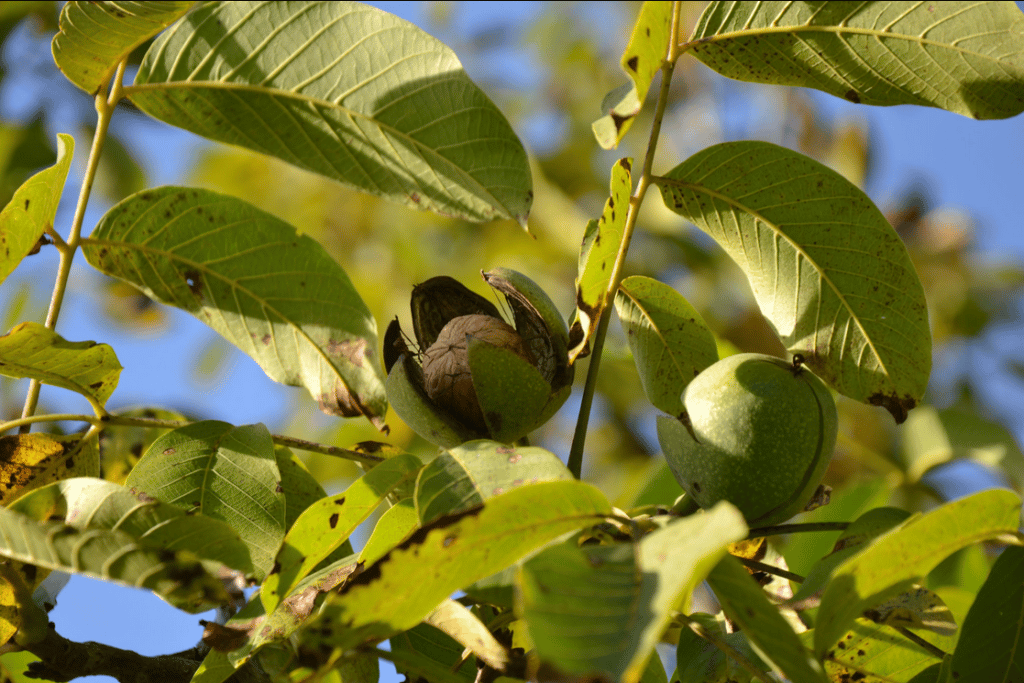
(95,36)
(33,351)
(344,90)
(597,258)
(670,342)
(964,57)
(407,584)
(466,476)
(642,59)
(745,603)
(874,653)
(222,471)
(603,608)
(991,646)
(902,557)
(276,295)
(828,271)
(327,523)
(462,625)
(29,461)
(32,208)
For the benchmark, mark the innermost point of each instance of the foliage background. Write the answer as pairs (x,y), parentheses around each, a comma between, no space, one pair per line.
(949,185)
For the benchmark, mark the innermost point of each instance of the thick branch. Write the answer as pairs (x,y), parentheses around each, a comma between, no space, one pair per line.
(65,660)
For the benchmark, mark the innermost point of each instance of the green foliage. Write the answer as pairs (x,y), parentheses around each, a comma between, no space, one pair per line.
(489,557)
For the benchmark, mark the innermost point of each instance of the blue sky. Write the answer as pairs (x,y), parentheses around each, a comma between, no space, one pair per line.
(977,167)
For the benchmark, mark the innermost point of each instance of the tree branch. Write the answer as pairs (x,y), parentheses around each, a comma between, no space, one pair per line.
(65,660)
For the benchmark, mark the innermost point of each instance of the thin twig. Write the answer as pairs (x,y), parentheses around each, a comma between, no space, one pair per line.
(575,461)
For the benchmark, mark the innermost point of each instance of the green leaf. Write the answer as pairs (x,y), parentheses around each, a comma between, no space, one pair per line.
(95,36)
(344,90)
(399,590)
(899,558)
(327,523)
(991,646)
(427,644)
(669,339)
(648,46)
(597,258)
(111,555)
(281,299)
(827,270)
(932,437)
(298,487)
(964,57)
(603,608)
(87,503)
(33,351)
(745,602)
(874,652)
(32,208)
(462,625)
(465,477)
(222,471)
(393,527)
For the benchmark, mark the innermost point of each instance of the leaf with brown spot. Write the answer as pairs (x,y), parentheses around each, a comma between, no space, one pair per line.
(36,352)
(24,220)
(400,589)
(321,336)
(600,246)
(327,523)
(648,47)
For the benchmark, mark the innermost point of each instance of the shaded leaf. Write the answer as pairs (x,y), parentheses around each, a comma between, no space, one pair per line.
(328,522)
(901,557)
(407,584)
(88,503)
(991,645)
(966,58)
(826,268)
(600,246)
(642,59)
(121,447)
(457,621)
(466,476)
(111,555)
(222,471)
(95,36)
(281,299)
(33,351)
(32,208)
(669,339)
(602,609)
(344,90)
(426,643)
(745,602)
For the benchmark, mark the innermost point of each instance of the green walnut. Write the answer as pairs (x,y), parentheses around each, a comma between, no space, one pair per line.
(757,432)
(473,375)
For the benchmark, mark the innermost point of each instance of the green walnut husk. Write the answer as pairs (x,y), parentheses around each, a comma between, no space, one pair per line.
(758,432)
(473,374)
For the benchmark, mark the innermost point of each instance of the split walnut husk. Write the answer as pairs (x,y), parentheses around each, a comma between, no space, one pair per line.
(475,375)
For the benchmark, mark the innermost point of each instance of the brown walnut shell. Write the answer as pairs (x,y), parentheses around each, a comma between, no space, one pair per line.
(446,374)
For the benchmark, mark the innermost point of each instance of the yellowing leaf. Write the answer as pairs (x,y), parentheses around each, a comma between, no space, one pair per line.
(642,60)
(32,208)
(33,351)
